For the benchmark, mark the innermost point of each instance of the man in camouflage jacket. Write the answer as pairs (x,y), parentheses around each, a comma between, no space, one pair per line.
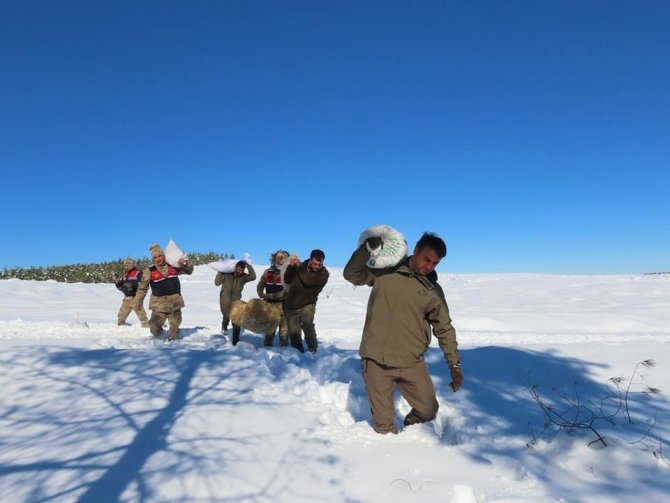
(166,301)
(128,284)
(271,289)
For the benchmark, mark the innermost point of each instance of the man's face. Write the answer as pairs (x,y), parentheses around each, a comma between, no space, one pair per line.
(315,265)
(239,271)
(159,259)
(127,267)
(425,261)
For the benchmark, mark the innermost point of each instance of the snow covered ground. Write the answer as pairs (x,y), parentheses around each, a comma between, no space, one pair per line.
(95,412)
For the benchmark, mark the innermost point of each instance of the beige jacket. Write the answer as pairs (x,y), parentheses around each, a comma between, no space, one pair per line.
(402,308)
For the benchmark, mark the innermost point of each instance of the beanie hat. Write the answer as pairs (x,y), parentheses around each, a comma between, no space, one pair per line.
(129,262)
(156,250)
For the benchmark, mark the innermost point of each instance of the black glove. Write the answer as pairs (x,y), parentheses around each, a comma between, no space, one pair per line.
(374,242)
(456,376)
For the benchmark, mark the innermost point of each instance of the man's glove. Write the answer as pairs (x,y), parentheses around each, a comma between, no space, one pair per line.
(456,376)
(374,242)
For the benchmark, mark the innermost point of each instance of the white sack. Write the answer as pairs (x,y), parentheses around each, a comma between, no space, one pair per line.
(226,266)
(173,253)
(394,248)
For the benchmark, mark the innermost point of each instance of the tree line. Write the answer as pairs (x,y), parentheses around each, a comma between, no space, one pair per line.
(102,272)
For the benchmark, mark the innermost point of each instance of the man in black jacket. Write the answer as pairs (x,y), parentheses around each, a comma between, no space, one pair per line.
(306,280)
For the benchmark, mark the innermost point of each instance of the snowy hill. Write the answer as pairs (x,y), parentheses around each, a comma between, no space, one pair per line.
(96,412)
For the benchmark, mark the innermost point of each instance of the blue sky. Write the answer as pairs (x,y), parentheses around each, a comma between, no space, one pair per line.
(531,136)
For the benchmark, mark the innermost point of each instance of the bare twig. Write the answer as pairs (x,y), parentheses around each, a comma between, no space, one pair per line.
(581,414)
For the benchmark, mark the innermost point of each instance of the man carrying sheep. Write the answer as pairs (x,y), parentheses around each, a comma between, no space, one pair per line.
(305,281)
(232,285)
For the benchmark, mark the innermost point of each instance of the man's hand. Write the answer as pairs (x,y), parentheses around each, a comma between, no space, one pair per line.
(182,261)
(456,376)
(374,242)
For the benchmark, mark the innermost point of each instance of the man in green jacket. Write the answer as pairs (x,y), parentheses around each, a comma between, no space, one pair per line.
(232,285)
(405,302)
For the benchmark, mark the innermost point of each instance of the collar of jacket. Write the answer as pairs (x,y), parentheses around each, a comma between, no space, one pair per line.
(406,269)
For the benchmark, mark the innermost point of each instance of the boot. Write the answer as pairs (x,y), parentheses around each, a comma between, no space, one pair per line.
(412,418)
(156,330)
(296,342)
